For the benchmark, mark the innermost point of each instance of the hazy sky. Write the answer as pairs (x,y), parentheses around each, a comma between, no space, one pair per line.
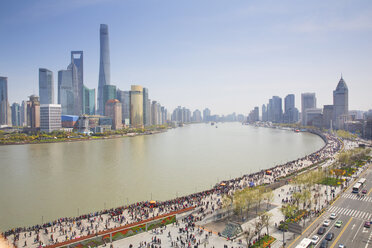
(227,55)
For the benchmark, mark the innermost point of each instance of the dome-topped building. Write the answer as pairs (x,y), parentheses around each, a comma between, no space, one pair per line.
(340,103)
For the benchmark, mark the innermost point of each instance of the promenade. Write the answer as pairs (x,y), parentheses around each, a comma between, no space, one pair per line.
(182,234)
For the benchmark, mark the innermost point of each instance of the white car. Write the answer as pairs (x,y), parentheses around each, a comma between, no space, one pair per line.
(333,216)
(326,223)
(314,239)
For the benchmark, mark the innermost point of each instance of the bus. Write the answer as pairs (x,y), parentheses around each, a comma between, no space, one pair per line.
(305,243)
(362,181)
(357,187)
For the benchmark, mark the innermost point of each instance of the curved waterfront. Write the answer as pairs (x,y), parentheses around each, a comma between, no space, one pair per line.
(54,180)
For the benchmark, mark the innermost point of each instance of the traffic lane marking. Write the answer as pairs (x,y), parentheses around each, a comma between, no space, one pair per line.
(342,231)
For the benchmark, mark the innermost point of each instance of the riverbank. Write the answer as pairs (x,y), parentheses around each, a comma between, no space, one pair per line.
(76,138)
(107,219)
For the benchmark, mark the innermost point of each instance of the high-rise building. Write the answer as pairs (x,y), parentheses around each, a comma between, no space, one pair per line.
(46,86)
(23,111)
(264,113)
(328,116)
(67,81)
(154,113)
(196,116)
(89,101)
(308,101)
(290,111)
(277,109)
(124,99)
(149,112)
(206,114)
(109,92)
(77,58)
(16,114)
(5,112)
(113,110)
(50,117)
(146,121)
(136,106)
(340,103)
(33,113)
(314,117)
(104,65)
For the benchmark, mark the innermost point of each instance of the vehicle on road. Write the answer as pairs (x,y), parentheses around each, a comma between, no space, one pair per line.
(333,216)
(338,223)
(305,243)
(329,236)
(364,191)
(356,188)
(362,181)
(321,230)
(367,224)
(315,239)
(326,223)
(341,246)
(324,244)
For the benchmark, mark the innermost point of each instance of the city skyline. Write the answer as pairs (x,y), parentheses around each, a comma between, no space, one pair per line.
(214,52)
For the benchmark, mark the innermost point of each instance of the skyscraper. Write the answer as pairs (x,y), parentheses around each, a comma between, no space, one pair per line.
(46,86)
(113,110)
(136,106)
(89,101)
(5,115)
(33,113)
(308,101)
(146,121)
(66,80)
(264,113)
(23,114)
(104,65)
(124,98)
(277,109)
(109,92)
(77,59)
(206,114)
(16,115)
(290,111)
(340,103)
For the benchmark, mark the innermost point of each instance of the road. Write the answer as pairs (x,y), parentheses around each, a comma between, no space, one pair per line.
(353,211)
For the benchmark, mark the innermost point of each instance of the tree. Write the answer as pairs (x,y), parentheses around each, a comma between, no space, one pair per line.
(258,225)
(265,218)
(249,234)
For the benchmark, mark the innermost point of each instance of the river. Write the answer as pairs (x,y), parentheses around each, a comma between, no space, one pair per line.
(46,181)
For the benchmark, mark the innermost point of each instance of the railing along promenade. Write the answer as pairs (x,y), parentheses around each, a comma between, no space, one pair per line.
(120,232)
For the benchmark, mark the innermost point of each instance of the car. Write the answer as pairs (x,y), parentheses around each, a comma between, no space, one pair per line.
(341,246)
(364,191)
(321,230)
(324,244)
(367,224)
(326,223)
(338,223)
(333,216)
(329,236)
(314,239)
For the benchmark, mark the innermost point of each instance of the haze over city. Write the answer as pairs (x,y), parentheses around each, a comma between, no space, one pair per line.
(228,57)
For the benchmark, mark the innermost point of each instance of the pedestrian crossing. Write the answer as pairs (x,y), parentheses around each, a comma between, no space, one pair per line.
(351,212)
(355,197)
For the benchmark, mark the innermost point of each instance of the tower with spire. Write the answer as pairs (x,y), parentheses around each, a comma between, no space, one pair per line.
(340,104)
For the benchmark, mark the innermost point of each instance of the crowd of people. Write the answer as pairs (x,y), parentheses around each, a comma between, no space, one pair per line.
(206,201)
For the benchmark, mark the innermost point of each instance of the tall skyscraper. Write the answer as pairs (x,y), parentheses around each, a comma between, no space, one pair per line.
(328,116)
(5,113)
(308,101)
(146,121)
(77,58)
(277,109)
(109,92)
(66,97)
(290,111)
(154,113)
(16,115)
(89,101)
(340,103)
(264,113)
(196,116)
(46,86)
(124,98)
(206,114)
(24,114)
(104,65)
(136,106)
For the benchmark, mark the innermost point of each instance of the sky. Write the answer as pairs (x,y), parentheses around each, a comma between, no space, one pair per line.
(227,55)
